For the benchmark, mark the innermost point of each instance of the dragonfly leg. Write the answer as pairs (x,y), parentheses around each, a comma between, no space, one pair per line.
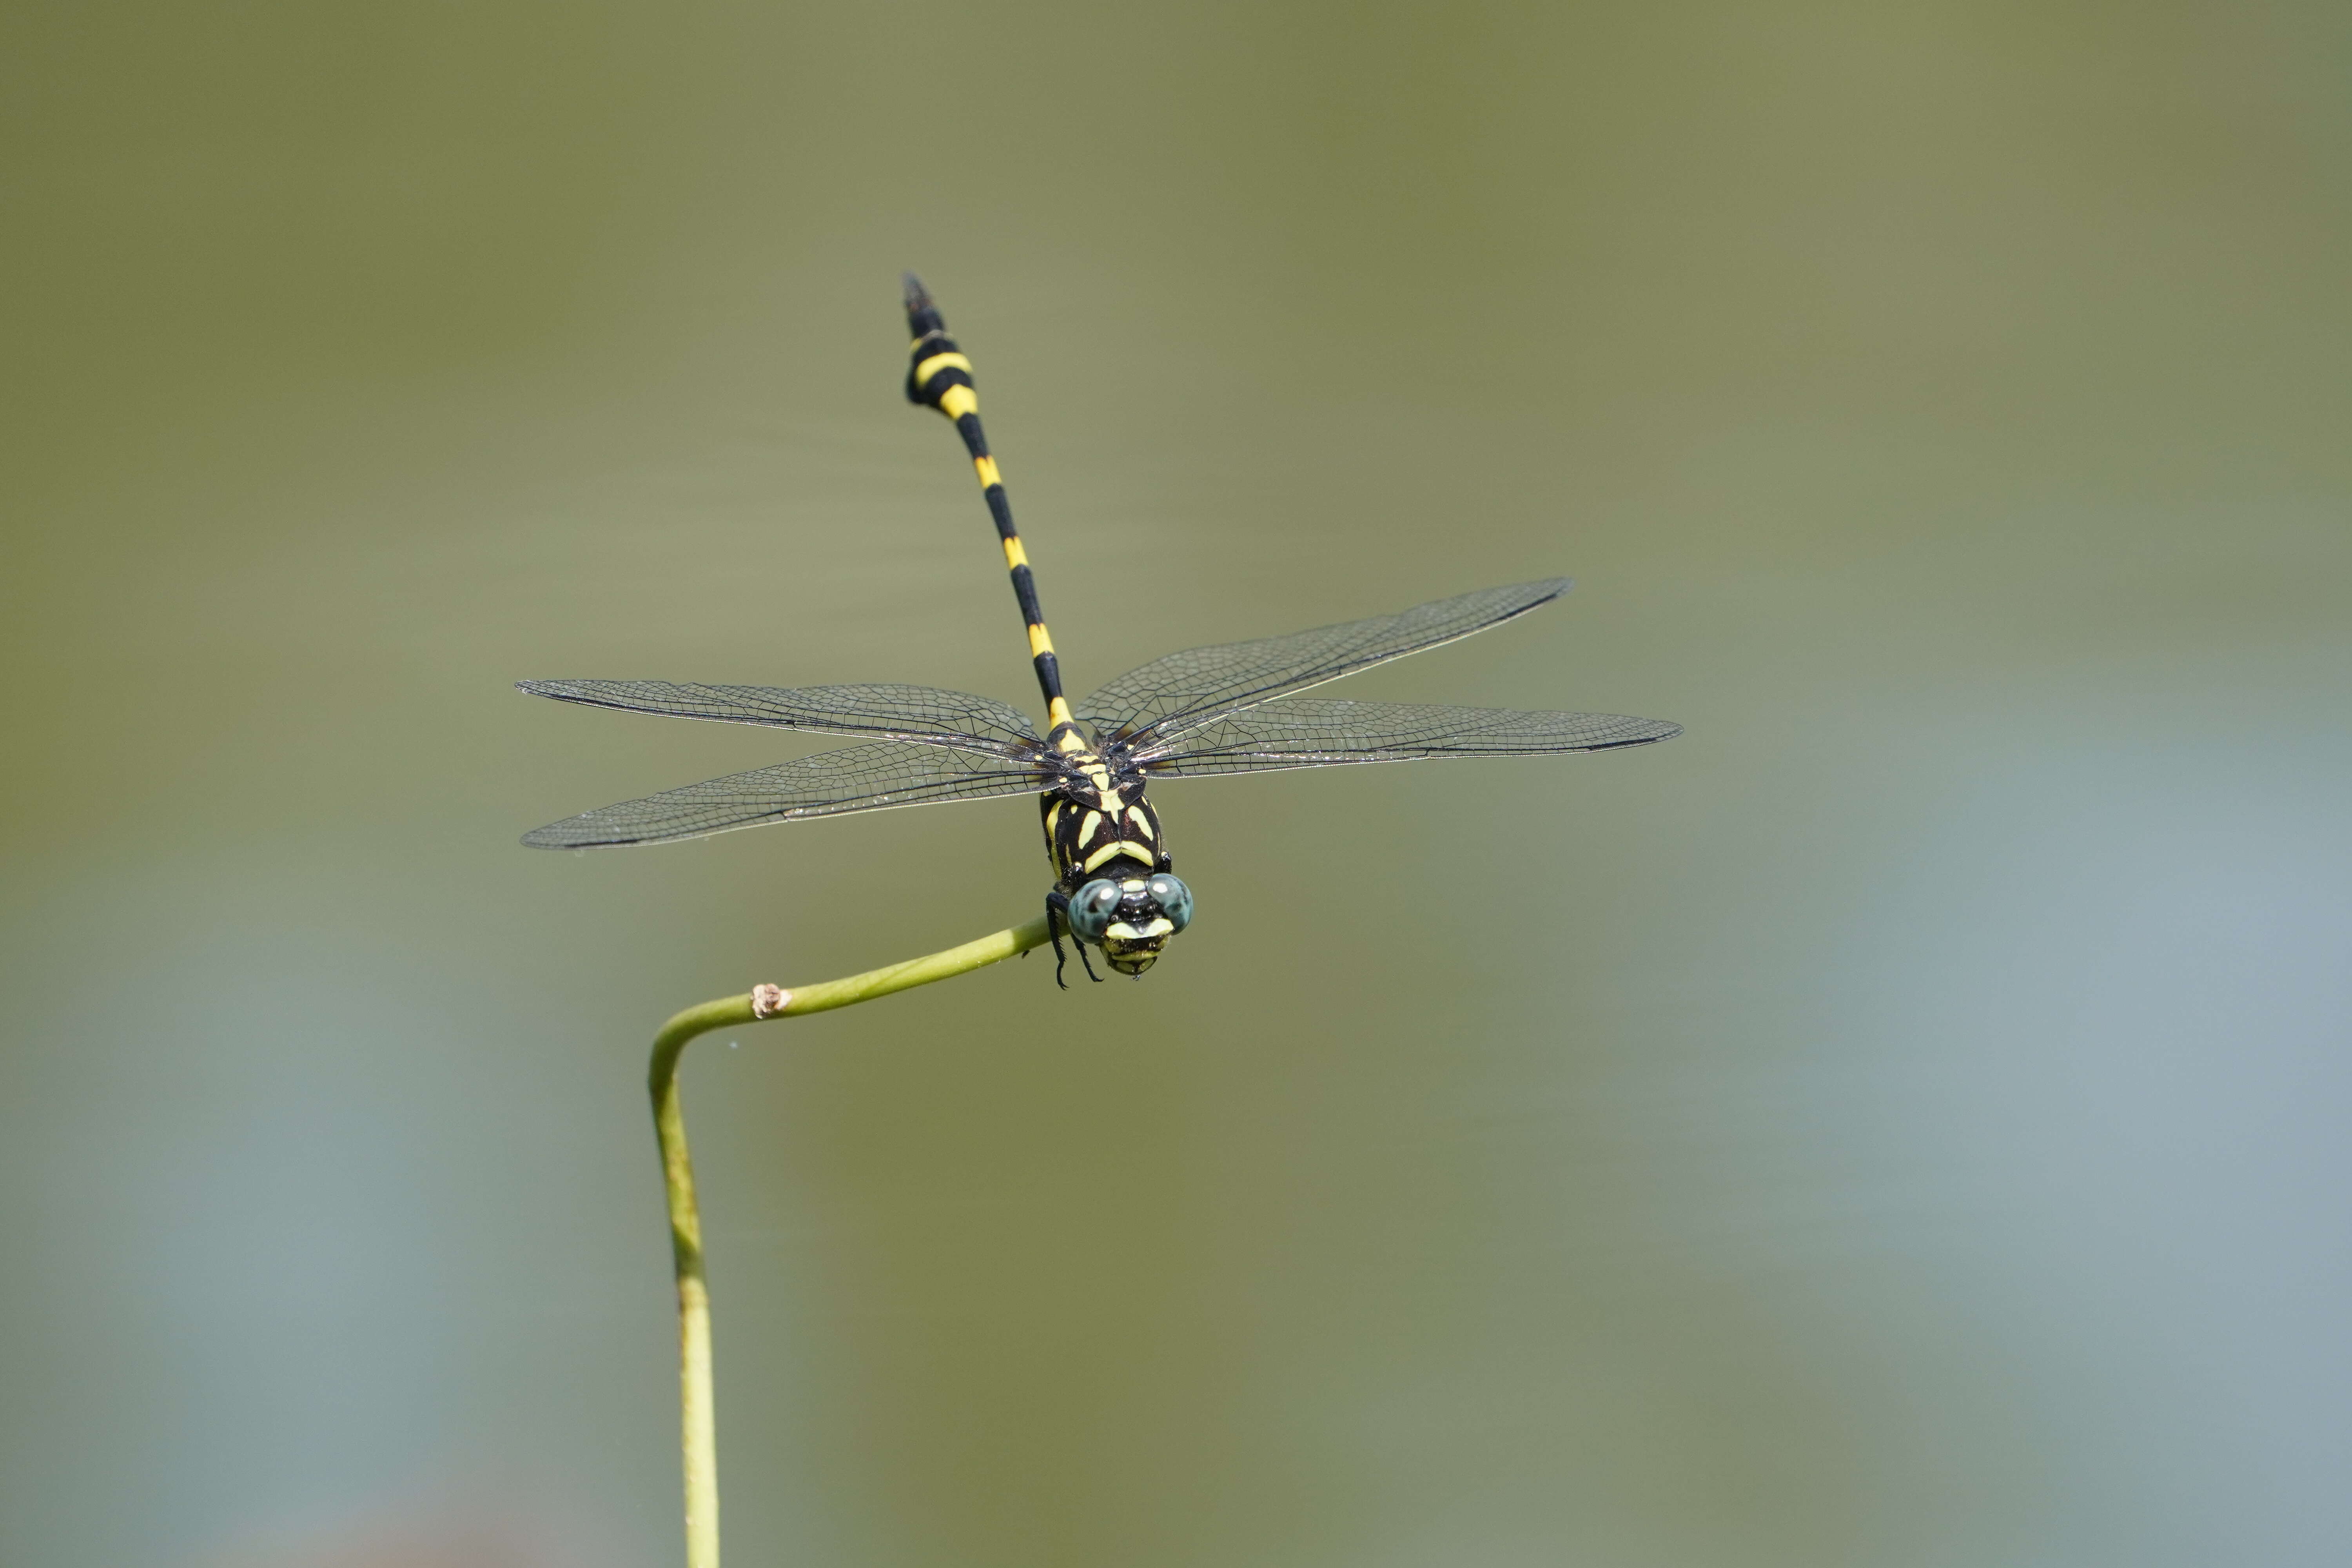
(1057,915)
(1057,910)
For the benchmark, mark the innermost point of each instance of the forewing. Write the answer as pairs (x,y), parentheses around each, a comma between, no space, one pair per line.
(1313,733)
(872,777)
(923,714)
(1173,697)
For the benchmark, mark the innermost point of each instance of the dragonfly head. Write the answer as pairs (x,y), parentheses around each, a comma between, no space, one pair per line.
(1130,917)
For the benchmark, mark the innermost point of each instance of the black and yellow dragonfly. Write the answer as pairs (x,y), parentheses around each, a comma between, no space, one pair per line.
(1228,708)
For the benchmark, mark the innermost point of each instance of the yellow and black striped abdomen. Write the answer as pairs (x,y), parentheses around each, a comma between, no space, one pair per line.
(938,375)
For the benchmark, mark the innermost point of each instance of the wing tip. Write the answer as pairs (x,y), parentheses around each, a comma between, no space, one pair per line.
(1530,595)
(548,838)
(568,690)
(1660,730)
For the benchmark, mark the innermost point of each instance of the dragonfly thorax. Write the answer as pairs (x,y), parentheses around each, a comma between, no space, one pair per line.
(1110,861)
(1098,824)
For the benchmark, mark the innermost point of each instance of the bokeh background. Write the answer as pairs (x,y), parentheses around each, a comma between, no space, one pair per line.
(1901,1122)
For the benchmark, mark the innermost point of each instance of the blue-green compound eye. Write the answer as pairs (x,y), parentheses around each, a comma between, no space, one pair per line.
(1092,906)
(1174,898)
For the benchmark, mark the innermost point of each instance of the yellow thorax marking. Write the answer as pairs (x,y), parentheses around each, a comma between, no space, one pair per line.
(1142,823)
(1087,824)
(1117,846)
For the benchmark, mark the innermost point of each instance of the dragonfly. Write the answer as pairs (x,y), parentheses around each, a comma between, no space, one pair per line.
(1227,709)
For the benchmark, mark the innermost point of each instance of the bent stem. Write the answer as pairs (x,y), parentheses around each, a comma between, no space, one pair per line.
(699,1430)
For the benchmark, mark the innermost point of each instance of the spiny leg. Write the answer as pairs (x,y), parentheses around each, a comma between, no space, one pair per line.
(1057,916)
(1058,912)
(939,377)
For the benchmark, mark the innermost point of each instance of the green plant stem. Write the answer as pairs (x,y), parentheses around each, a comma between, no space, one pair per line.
(699,1430)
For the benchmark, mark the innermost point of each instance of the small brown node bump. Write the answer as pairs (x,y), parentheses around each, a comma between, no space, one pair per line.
(767,1000)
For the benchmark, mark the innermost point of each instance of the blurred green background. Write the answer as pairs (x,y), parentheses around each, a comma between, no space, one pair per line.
(1899,1123)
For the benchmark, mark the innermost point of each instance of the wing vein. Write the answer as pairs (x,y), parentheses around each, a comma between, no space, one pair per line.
(924,715)
(876,776)
(1312,732)
(1155,704)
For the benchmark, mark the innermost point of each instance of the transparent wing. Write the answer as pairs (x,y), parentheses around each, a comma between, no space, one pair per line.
(923,714)
(1174,696)
(1313,733)
(873,777)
